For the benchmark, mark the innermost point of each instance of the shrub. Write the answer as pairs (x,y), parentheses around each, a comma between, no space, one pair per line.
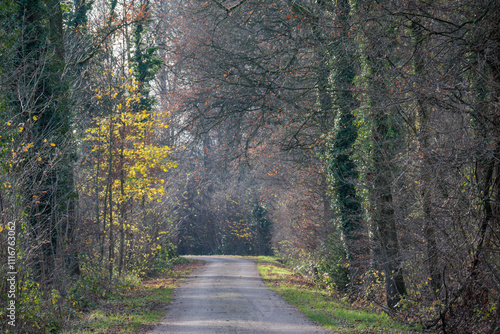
(332,265)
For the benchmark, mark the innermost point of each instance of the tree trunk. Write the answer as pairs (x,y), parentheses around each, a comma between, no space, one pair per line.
(342,167)
(384,215)
(386,138)
(111,246)
(42,93)
(123,209)
(429,228)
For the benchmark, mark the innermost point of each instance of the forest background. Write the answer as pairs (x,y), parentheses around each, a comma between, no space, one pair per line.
(359,141)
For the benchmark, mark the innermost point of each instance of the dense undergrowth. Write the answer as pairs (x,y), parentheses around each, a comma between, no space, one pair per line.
(134,308)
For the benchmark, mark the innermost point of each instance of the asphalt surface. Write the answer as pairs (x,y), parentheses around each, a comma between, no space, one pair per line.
(228,296)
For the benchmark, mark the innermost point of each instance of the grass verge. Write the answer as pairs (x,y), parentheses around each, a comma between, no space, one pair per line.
(337,315)
(135,310)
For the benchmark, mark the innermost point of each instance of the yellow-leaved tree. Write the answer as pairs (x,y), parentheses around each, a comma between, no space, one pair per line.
(128,166)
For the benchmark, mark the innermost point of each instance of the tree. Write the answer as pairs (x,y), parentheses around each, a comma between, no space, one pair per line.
(386,136)
(43,109)
(127,161)
(263,229)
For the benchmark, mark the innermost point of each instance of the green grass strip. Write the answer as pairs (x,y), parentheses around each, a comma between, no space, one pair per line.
(329,312)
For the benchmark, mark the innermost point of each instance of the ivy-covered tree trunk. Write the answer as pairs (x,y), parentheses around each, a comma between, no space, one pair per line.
(145,61)
(264,229)
(342,168)
(44,110)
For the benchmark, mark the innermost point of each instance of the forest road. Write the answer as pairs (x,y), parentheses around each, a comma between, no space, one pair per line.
(227,295)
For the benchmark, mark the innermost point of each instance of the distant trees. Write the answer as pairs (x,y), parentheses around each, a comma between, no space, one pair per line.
(222,208)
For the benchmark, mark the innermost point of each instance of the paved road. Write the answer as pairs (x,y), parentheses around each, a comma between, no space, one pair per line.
(227,296)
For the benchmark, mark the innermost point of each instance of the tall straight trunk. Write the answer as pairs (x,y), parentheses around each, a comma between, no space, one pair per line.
(336,58)
(384,215)
(111,245)
(488,238)
(327,108)
(386,137)
(104,217)
(342,167)
(424,117)
(382,180)
(121,257)
(101,230)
